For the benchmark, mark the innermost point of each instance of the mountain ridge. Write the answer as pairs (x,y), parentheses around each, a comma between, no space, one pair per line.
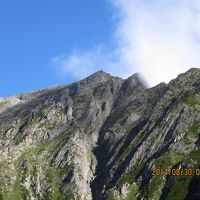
(100,138)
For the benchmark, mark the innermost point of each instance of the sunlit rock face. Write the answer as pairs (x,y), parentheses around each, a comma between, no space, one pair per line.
(102,138)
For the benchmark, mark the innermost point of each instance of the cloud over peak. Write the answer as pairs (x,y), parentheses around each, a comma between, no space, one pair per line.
(159,39)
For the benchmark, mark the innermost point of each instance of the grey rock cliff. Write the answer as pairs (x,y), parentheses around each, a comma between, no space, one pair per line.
(101,138)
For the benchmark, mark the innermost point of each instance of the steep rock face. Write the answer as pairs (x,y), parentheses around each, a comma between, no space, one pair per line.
(64,122)
(101,138)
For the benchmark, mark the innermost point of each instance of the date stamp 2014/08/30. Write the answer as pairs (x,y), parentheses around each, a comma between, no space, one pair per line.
(175,172)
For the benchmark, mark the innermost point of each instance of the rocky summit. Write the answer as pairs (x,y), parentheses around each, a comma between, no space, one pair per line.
(103,138)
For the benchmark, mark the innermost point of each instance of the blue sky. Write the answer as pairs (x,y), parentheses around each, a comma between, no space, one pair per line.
(46,43)
(33,32)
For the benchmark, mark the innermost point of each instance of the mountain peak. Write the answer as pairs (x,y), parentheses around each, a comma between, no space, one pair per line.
(193,70)
(101,74)
(190,72)
(136,77)
(133,81)
(98,77)
(187,79)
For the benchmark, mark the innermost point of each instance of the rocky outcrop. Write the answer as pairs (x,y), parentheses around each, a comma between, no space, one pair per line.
(101,138)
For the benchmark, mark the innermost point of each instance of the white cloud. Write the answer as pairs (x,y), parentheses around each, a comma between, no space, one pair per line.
(77,65)
(158,38)
(81,64)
